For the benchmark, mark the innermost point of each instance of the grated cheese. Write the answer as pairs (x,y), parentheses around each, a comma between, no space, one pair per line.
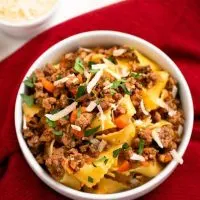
(91,106)
(102,116)
(24,10)
(162,104)
(51,148)
(117,76)
(63,80)
(62,113)
(137,157)
(99,66)
(77,128)
(119,52)
(107,86)
(94,81)
(143,108)
(156,137)
(174,91)
(180,130)
(176,156)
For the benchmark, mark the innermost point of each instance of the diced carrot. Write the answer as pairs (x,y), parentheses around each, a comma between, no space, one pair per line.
(79,76)
(73,115)
(47,85)
(145,163)
(124,166)
(122,121)
(78,134)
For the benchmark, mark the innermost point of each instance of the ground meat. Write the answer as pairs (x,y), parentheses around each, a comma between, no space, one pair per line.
(84,148)
(48,103)
(135,142)
(166,135)
(93,150)
(39,91)
(47,136)
(34,141)
(39,74)
(55,166)
(104,105)
(72,80)
(136,98)
(63,101)
(165,158)
(40,159)
(156,116)
(68,141)
(151,79)
(171,82)
(146,136)
(144,69)
(126,154)
(119,111)
(62,122)
(34,123)
(117,96)
(84,120)
(27,133)
(49,70)
(130,83)
(149,153)
(75,160)
(177,118)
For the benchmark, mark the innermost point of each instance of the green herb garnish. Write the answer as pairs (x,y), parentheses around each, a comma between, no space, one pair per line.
(78,111)
(50,123)
(116,152)
(105,161)
(116,84)
(126,91)
(135,75)
(55,111)
(29,100)
(78,66)
(29,82)
(112,59)
(91,131)
(81,91)
(141,146)
(58,77)
(112,91)
(94,71)
(125,146)
(90,179)
(57,133)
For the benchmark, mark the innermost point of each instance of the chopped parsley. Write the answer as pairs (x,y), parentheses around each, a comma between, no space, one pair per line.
(112,91)
(81,91)
(55,111)
(57,133)
(120,83)
(58,77)
(90,179)
(50,123)
(93,70)
(78,66)
(91,131)
(105,161)
(116,152)
(90,63)
(29,100)
(125,146)
(141,146)
(112,59)
(136,75)
(29,82)
(126,91)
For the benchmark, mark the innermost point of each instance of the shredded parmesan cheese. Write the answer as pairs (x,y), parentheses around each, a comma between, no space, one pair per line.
(174,91)
(24,10)
(94,81)
(77,128)
(51,148)
(162,104)
(180,130)
(137,157)
(176,156)
(102,145)
(119,52)
(99,66)
(91,106)
(102,116)
(156,137)
(107,86)
(63,80)
(62,113)
(143,108)
(85,49)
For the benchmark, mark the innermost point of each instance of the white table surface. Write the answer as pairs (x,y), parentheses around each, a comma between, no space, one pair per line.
(68,9)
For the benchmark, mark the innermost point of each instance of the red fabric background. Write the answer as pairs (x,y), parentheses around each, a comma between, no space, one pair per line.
(173,26)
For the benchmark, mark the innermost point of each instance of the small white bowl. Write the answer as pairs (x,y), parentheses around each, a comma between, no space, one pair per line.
(107,38)
(28,28)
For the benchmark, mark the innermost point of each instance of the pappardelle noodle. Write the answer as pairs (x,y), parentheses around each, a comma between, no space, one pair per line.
(102,120)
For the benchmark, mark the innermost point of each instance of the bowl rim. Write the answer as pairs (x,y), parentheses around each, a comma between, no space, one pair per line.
(136,192)
(33,22)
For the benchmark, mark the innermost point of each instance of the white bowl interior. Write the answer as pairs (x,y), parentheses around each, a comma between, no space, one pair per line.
(108,38)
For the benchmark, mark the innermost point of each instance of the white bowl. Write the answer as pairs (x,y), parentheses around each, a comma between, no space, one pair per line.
(108,38)
(28,28)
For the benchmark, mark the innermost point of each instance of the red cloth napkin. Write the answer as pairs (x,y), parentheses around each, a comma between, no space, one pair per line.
(173,26)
